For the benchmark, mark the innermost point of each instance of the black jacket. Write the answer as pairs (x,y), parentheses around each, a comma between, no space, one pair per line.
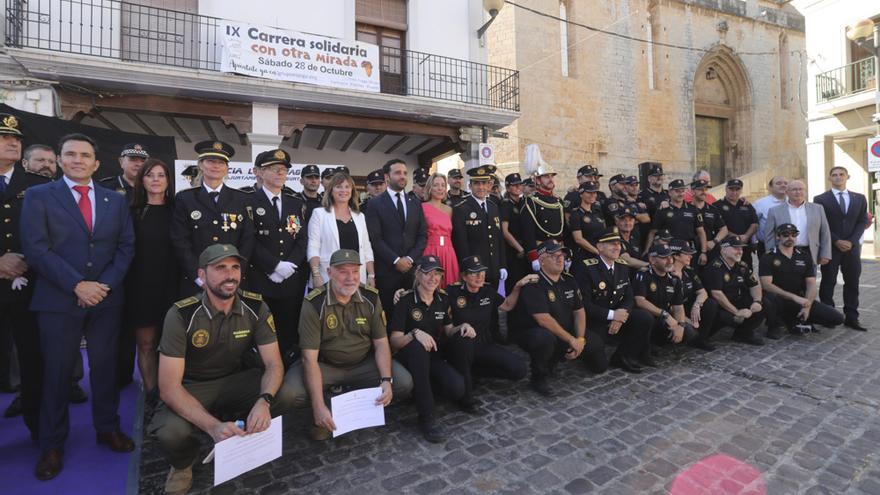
(276,240)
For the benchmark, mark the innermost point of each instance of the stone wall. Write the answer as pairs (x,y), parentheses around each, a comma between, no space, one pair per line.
(606,114)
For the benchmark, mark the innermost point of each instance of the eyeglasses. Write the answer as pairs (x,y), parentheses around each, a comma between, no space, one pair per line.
(788,234)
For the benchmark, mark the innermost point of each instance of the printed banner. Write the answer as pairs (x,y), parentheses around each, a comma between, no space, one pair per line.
(241,174)
(299,57)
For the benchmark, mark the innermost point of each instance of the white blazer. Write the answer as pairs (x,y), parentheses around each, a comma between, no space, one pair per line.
(324,239)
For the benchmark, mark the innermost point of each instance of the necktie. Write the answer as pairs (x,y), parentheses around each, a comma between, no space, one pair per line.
(214,195)
(400,209)
(485,211)
(842,203)
(275,205)
(2,185)
(85,204)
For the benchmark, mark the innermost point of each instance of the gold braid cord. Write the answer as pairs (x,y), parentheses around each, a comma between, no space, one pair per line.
(549,206)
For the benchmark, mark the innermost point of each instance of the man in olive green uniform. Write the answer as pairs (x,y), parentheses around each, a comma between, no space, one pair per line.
(343,341)
(209,377)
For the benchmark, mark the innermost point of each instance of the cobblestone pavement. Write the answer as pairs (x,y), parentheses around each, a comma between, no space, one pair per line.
(798,415)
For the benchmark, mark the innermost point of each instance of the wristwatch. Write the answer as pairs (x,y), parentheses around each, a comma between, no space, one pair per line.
(384,379)
(269,398)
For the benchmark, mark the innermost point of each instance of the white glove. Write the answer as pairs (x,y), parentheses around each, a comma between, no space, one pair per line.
(19,283)
(200,282)
(503,274)
(285,269)
(275,277)
(536,266)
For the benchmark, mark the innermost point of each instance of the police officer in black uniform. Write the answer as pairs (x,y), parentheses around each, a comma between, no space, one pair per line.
(550,322)
(375,187)
(456,193)
(630,239)
(528,186)
(699,307)
(788,277)
(619,199)
(739,216)
(681,219)
(326,174)
(131,159)
(510,212)
(477,303)
(16,279)
(210,214)
(310,178)
(713,221)
(586,223)
(731,282)
(654,195)
(542,215)
(279,248)
(585,174)
(495,192)
(419,179)
(605,282)
(660,294)
(476,226)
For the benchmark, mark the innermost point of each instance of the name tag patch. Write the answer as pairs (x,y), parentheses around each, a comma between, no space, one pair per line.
(240,334)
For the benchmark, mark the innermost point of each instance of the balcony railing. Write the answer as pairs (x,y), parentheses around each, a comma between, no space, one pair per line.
(139,33)
(850,79)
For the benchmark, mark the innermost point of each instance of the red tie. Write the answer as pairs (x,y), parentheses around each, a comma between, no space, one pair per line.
(85,205)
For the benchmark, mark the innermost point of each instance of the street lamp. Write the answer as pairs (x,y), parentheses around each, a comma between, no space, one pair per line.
(860,32)
(492,7)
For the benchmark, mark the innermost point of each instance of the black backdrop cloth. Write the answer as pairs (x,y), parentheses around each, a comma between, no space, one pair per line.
(39,129)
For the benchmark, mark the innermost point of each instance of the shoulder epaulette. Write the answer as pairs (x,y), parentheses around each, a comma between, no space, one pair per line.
(189,301)
(742,264)
(621,261)
(46,179)
(405,293)
(108,179)
(441,291)
(190,190)
(315,293)
(369,288)
(251,295)
(591,261)
(457,284)
(245,189)
(716,263)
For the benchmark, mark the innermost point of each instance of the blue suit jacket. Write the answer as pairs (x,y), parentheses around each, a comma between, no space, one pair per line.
(851,226)
(60,249)
(391,239)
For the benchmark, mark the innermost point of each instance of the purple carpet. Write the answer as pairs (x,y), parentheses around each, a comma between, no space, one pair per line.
(88,468)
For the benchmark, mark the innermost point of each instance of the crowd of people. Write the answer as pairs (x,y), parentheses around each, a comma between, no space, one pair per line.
(247,303)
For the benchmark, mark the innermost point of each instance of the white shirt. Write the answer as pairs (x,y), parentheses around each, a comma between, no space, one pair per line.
(837,194)
(482,203)
(611,268)
(208,188)
(762,206)
(271,195)
(798,216)
(393,195)
(76,195)
(8,176)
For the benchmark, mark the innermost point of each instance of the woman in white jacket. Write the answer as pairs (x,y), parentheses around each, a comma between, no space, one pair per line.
(339,225)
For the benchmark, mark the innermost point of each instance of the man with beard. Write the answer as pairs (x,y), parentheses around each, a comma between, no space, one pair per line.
(788,276)
(218,359)
(713,222)
(732,284)
(456,194)
(310,178)
(543,214)
(510,212)
(654,196)
(40,159)
(131,159)
(739,216)
(681,219)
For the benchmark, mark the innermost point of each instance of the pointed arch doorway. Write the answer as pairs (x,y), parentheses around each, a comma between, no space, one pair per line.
(722,115)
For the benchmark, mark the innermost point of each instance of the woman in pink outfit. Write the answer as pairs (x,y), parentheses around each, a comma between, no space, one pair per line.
(439,219)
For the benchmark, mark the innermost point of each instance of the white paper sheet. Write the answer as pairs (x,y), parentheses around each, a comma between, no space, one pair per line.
(238,455)
(357,409)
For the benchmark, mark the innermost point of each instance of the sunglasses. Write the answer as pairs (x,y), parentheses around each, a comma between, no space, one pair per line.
(788,234)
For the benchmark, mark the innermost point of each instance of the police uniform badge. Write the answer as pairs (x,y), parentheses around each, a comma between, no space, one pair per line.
(279,155)
(727,277)
(551,296)
(602,285)
(776,262)
(416,314)
(332,322)
(473,215)
(200,338)
(261,211)
(293,224)
(587,219)
(217,146)
(461,302)
(653,287)
(725,207)
(195,214)
(10,122)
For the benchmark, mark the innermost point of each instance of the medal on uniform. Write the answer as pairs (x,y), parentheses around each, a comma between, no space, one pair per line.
(195,215)
(225,226)
(293,224)
(233,217)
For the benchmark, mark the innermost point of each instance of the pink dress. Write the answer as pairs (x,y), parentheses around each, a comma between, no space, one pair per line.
(440,241)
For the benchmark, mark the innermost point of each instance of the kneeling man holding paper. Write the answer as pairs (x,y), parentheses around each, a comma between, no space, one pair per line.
(210,373)
(344,343)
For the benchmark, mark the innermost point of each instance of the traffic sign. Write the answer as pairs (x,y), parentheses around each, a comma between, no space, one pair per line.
(874,154)
(487,154)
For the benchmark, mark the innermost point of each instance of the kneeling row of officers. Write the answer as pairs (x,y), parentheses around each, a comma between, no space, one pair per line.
(220,362)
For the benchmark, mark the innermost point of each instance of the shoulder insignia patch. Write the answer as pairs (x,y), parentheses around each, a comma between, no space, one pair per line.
(189,301)
(252,295)
(314,293)
(717,264)
(591,261)
(370,289)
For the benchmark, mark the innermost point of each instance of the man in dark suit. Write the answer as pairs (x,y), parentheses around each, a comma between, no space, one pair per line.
(79,240)
(209,214)
(847,214)
(280,248)
(398,233)
(16,277)
(476,226)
